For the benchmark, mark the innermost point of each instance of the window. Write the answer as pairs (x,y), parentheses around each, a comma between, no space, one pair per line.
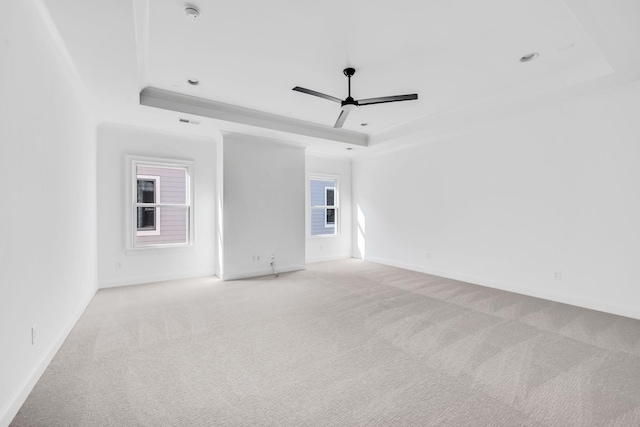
(161,204)
(324,206)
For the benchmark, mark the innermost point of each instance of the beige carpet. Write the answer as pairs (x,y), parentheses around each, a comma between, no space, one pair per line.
(344,343)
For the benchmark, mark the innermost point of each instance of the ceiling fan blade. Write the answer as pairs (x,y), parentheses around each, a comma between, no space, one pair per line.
(384,99)
(318,94)
(341,119)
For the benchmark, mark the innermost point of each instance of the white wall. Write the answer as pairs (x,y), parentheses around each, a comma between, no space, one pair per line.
(323,248)
(263,206)
(115,142)
(47,183)
(508,204)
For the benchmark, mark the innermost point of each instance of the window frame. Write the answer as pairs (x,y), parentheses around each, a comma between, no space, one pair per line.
(132,163)
(336,200)
(156,214)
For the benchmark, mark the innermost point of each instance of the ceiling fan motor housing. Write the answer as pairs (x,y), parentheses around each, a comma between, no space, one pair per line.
(349,71)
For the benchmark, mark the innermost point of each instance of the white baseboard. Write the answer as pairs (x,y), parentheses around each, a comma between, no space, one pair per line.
(20,396)
(154,278)
(263,272)
(328,258)
(565,298)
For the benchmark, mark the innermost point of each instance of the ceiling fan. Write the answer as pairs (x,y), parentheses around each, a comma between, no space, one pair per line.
(350,104)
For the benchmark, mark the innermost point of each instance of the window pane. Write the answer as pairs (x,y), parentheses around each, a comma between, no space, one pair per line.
(171,183)
(331,217)
(172,223)
(318,223)
(146,191)
(146,218)
(317,191)
(330,196)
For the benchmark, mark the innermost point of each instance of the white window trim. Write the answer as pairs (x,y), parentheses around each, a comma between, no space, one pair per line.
(156,231)
(338,226)
(131,184)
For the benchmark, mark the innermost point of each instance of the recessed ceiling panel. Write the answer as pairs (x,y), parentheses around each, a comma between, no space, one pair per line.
(453,53)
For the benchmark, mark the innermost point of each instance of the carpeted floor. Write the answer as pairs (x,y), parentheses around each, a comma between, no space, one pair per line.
(344,343)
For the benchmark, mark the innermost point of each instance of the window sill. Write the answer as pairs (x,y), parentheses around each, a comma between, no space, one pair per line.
(148,233)
(158,249)
(323,236)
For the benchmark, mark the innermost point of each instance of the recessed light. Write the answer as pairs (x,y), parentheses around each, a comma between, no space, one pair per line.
(529,57)
(364,124)
(192,13)
(193,82)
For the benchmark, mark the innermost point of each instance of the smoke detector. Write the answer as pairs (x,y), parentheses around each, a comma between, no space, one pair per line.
(192,13)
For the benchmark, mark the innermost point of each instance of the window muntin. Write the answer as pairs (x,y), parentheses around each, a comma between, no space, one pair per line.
(162,210)
(323,206)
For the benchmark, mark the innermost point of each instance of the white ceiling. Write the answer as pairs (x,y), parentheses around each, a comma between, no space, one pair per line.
(458,55)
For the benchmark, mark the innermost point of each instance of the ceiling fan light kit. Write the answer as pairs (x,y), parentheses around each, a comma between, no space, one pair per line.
(349,104)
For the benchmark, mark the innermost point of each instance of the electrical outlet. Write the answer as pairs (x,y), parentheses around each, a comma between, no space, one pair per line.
(255,258)
(33,334)
(427,255)
(118,265)
(557,275)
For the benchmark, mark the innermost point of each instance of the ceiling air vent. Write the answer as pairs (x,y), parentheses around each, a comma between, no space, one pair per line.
(193,122)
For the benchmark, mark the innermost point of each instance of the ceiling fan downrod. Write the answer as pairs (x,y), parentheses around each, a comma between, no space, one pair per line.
(349,72)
